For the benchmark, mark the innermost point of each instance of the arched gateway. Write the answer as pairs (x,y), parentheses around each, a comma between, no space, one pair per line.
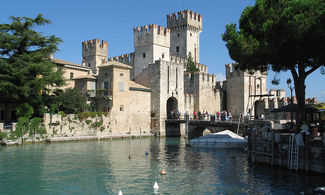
(172,105)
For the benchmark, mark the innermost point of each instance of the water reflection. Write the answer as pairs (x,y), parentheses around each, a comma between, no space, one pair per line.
(103,167)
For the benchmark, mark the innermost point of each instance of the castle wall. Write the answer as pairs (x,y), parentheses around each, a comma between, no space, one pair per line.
(139,112)
(166,81)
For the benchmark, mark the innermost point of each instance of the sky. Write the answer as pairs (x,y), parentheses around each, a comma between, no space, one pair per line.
(75,21)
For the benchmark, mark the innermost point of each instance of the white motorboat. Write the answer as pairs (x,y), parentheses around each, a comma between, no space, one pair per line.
(223,139)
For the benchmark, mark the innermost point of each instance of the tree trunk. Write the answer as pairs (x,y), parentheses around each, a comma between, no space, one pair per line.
(300,88)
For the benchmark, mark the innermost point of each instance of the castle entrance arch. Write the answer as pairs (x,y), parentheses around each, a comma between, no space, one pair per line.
(172,105)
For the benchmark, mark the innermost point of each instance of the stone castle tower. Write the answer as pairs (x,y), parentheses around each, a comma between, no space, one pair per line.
(185,29)
(94,53)
(244,88)
(150,45)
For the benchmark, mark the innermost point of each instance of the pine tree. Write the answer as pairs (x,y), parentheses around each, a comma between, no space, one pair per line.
(26,71)
(190,64)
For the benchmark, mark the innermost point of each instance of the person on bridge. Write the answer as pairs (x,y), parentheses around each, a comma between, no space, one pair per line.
(194,115)
(218,116)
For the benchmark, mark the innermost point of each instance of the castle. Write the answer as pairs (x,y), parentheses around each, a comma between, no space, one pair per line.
(141,88)
(144,86)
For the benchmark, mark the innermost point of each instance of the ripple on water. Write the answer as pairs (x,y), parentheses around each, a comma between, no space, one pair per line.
(103,167)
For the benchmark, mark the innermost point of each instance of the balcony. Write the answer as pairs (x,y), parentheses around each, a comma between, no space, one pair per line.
(100,94)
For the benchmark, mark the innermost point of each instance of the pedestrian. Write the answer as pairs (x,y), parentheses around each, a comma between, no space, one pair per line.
(229,116)
(199,114)
(194,115)
(218,116)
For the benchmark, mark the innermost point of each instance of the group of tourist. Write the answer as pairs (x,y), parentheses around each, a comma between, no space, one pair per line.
(174,114)
(224,116)
(204,115)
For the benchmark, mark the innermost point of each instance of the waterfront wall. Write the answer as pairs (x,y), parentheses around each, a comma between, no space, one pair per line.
(100,125)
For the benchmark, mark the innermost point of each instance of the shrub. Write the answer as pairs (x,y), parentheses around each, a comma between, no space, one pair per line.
(62,114)
(99,114)
(105,114)
(88,122)
(102,128)
(93,114)
(3,135)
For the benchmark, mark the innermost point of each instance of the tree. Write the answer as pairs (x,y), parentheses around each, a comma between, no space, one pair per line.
(36,127)
(26,71)
(190,64)
(70,101)
(281,35)
(22,127)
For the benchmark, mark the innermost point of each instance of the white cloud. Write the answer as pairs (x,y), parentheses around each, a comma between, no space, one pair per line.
(220,77)
(323,92)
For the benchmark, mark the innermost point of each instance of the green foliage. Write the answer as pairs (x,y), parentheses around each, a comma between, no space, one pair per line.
(62,114)
(70,101)
(190,64)
(36,127)
(105,114)
(88,122)
(93,114)
(97,124)
(283,36)
(3,135)
(26,71)
(99,114)
(54,108)
(22,127)
(25,110)
(102,128)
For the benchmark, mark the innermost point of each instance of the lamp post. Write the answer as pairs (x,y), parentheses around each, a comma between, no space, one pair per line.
(291,87)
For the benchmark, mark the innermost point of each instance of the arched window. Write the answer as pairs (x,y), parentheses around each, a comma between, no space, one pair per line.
(177,49)
(144,55)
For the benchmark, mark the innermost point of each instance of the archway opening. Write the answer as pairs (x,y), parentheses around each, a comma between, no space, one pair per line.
(172,108)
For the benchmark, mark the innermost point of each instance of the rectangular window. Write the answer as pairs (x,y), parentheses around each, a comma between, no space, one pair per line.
(106,87)
(71,75)
(121,74)
(121,108)
(121,86)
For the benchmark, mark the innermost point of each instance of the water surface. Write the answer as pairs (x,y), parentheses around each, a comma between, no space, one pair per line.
(103,167)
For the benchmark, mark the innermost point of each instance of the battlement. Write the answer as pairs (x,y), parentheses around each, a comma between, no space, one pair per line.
(177,60)
(94,43)
(184,19)
(93,47)
(154,34)
(124,58)
(204,79)
(202,68)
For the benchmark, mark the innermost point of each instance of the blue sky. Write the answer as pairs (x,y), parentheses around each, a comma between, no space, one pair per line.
(113,20)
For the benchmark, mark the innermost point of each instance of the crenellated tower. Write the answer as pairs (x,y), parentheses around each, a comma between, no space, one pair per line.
(185,28)
(94,53)
(150,44)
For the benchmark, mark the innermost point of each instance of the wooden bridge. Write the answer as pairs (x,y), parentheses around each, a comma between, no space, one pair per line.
(195,128)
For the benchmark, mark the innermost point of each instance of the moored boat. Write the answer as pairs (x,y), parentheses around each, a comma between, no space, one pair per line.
(223,139)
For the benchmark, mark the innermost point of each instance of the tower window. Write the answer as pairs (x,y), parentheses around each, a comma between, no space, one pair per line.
(121,108)
(88,64)
(177,49)
(163,55)
(144,55)
(190,34)
(258,86)
(178,34)
(71,75)
(121,74)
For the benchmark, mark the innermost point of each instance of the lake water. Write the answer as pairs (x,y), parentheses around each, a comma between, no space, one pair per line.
(103,167)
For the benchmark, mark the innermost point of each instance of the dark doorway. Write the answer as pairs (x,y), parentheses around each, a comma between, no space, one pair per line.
(172,106)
